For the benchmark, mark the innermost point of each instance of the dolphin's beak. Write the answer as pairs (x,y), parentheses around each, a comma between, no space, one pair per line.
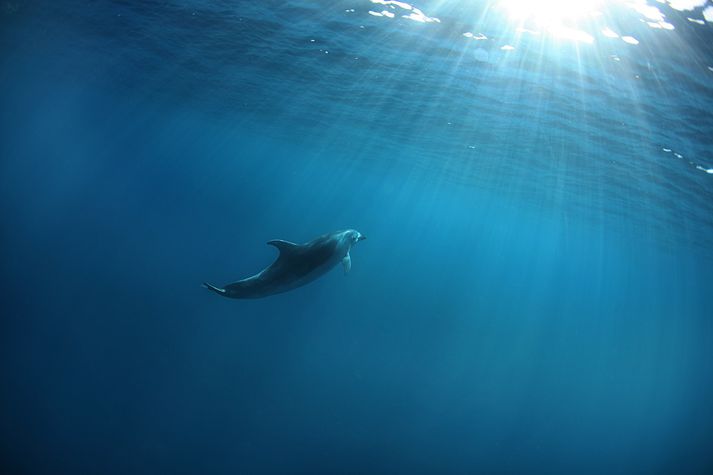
(361,238)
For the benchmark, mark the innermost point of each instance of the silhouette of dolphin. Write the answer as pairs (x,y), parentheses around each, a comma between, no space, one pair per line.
(297,265)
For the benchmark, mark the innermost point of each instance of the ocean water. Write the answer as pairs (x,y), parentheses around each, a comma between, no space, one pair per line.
(535,180)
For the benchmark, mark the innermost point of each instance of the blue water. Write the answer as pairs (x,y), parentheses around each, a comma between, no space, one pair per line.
(535,294)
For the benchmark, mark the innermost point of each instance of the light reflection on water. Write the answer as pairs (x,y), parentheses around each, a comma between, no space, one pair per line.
(551,24)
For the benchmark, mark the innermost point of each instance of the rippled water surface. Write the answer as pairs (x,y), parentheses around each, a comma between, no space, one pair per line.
(535,179)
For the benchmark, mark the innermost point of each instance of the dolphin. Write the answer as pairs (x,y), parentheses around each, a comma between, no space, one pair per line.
(297,265)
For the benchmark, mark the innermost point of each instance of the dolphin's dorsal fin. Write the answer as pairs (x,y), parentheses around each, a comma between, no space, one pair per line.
(285,247)
(347,263)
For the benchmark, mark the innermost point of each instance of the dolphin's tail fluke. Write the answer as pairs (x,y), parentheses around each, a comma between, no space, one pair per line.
(215,289)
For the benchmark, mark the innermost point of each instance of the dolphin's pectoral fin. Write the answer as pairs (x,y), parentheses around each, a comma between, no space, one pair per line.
(347,263)
(285,247)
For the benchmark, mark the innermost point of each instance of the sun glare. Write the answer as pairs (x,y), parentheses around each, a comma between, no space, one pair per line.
(560,18)
(548,13)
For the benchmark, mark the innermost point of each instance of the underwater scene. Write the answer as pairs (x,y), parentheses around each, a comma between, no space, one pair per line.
(356,237)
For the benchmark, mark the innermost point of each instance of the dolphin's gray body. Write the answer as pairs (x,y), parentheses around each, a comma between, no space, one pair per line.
(297,265)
